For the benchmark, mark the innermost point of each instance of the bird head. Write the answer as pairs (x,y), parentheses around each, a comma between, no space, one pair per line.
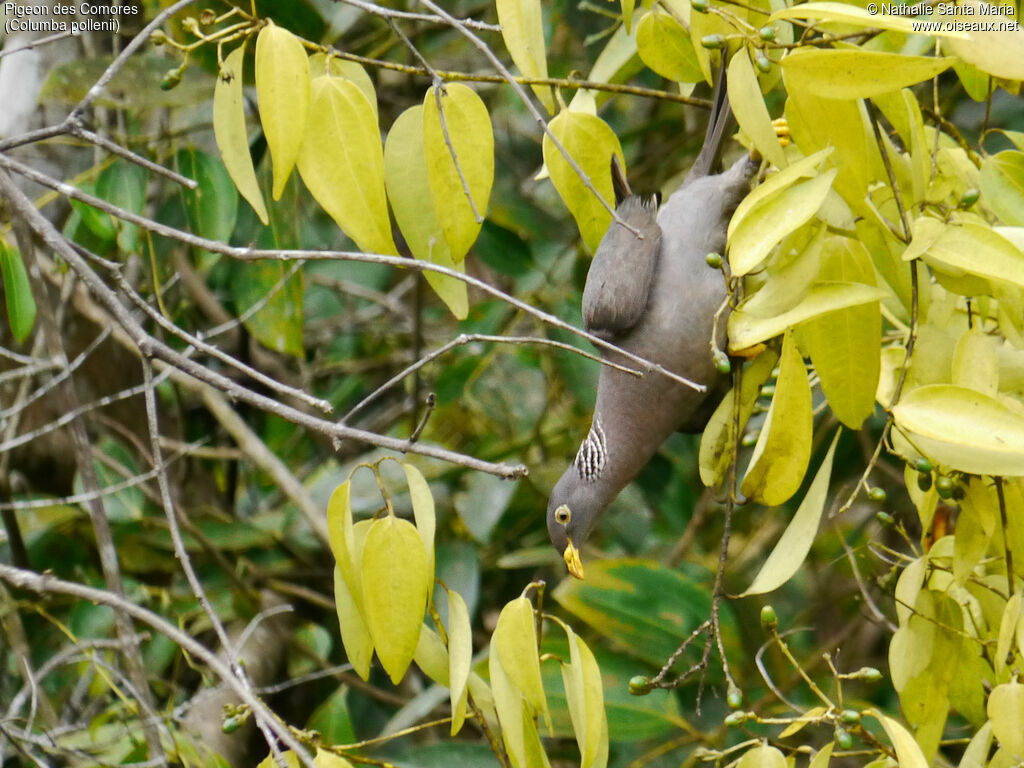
(573,509)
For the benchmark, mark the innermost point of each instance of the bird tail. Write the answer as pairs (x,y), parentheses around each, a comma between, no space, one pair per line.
(718,122)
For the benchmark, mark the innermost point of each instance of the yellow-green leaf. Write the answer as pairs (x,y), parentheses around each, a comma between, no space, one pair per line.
(516,639)
(432,657)
(282,87)
(354,634)
(795,727)
(975,365)
(996,52)
(857,73)
(591,143)
(747,104)
(522,27)
(1002,185)
(349,70)
(508,703)
(460,656)
(422,511)
(718,440)
(21,306)
(963,429)
(325,759)
(846,345)
(822,757)
(467,126)
(976,754)
(1006,711)
(970,249)
(796,540)
(783,449)
(665,46)
(342,538)
(974,528)
(1009,625)
(342,163)
(762,756)
(846,13)
(746,330)
(908,754)
(584,694)
(395,587)
(229,130)
(405,174)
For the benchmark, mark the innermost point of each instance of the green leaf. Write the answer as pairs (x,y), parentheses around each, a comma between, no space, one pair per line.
(584,693)
(515,638)
(783,449)
(332,718)
(664,46)
(405,174)
(230,132)
(591,143)
(355,635)
(846,345)
(282,87)
(467,126)
(822,757)
(342,163)
(212,207)
(748,105)
(974,529)
(124,184)
(963,429)
(460,657)
(522,27)
(395,587)
(746,330)
(796,540)
(277,324)
(21,306)
(349,70)
(859,74)
(996,52)
(1006,712)
(908,754)
(762,756)
(1002,186)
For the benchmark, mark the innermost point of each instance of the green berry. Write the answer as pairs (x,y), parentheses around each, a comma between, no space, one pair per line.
(763,63)
(640,685)
(869,674)
(769,621)
(722,364)
(923,465)
(849,717)
(230,724)
(714,260)
(170,80)
(877,494)
(924,481)
(712,42)
(734,697)
(944,486)
(736,719)
(701,6)
(969,197)
(885,518)
(843,738)
(767,33)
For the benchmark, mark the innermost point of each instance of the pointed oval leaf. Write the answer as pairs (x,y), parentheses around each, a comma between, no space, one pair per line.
(967,249)
(229,130)
(822,757)
(349,70)
(355,635)
(522,27)
(783,448)
(846,346)
(432,657)
(423,511)
(342,538)
(748,105)
(124,184)
(591,143)
(460,657)
(845,13)
(282,87)
(21,306)
(908,753)
(974,528)
(516,636)
(762,756)
(467,126)
(963,429)
(325,759)
(665,47)
(584,694)
(1006,712)
(996,52)
(796,541)
(859,74)
(1007,632)
(976,754)
(508,703)
(1002,185)
(975,365)
(746,330)
(342,163)
(395,586)
(212,207)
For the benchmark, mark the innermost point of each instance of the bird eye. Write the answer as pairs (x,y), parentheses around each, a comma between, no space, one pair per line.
(562,515)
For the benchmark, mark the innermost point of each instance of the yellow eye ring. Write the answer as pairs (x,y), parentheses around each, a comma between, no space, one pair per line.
(563,514)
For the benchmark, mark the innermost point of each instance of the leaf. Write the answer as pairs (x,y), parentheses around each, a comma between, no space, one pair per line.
(508,702)
(230,132)
(844,13)
(1006,712)
(124,184)
(664,46)
(423,511)
(966,249)
(822,756)
(212,207)
(974,528)
(783,449)
(277,324)
(845,345)
(282,87)
(975,365)
(325,759)
(746,330)
(591,143)
(584,693)
(976,754)
(796,540)
(1002,185)
(522,27)
(1008,629)
(460,657)
(21,306)
(908,754)
(349,70)
(718,441)
(963,429)
(395,587)
(355,635)
(342,163)
(859,74)
(405,175)
(996,52)
(468,127)
(341,537)
(333,718)
(515,638)
(762,756)
(748,105)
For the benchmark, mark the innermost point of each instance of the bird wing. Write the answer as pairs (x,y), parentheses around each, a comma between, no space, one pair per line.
(619,281)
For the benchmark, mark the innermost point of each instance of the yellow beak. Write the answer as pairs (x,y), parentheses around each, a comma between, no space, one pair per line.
(572,560)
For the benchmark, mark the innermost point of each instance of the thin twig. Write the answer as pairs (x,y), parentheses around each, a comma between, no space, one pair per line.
(1008,553)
